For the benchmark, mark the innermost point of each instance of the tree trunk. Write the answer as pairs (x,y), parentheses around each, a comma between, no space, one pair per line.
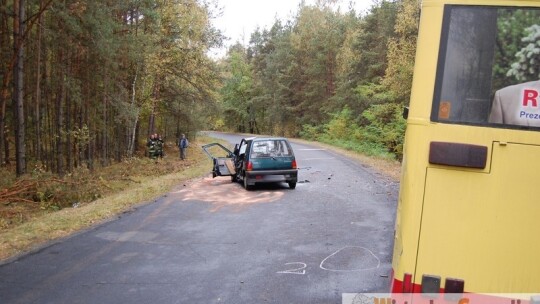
(38,88)
(177,134)
(119,144)
(67,129)
(89,147)
(80,142)
(4,93)
(49,126)
(131,142)
(85,117)
(151,124)
(37,105)
(4,153)
(104,147)
(152,119)
(60,116)
(18,88)
(137,133)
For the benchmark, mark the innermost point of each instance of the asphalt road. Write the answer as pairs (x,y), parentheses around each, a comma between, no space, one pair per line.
(210,241)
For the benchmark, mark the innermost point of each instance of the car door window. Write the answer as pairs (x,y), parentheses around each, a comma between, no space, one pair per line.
(243,148)
(216,150)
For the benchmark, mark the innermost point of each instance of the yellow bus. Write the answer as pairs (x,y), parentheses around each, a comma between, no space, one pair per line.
(468,217)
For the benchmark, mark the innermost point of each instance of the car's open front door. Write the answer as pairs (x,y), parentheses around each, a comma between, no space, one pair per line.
(222,159)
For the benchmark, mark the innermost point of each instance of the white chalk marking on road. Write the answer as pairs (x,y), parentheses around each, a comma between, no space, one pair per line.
(299,270)
(350,270)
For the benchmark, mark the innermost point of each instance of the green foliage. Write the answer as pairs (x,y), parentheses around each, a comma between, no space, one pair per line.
(386,127)
(310,132)
(341,126)
(382,136)
(527,65)
(316,36)
(510,41)
(237,92)
(402,52)
(325,75)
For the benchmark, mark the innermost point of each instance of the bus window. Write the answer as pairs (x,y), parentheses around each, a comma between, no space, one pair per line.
(489,67)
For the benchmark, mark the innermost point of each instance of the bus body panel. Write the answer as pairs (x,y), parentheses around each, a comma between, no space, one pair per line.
(490,238)
(478,225)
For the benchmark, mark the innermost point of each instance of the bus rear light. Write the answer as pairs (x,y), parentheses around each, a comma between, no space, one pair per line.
(454,285)
(407,283)
(431,284)
(249,166)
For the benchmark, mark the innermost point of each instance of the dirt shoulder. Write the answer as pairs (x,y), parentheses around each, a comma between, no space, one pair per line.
(124,186)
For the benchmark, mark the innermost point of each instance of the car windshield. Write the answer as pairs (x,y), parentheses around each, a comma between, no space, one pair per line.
(270,148)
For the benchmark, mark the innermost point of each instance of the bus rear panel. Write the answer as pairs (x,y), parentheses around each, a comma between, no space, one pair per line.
(468,216)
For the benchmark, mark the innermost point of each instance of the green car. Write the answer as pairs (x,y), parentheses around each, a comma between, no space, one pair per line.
(255,160)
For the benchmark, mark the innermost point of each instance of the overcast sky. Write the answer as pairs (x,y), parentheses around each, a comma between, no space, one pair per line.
(241,17)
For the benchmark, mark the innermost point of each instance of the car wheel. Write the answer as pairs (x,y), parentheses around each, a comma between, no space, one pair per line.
(248,187)
(292,185)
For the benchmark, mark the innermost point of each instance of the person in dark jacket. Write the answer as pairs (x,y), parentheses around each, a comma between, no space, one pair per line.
(160,146)
(183,143)
(151,144)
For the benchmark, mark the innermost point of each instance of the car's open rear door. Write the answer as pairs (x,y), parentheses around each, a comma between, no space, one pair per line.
(222,159)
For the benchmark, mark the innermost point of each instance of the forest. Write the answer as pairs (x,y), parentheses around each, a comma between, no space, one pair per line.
(84,83)
(332,75)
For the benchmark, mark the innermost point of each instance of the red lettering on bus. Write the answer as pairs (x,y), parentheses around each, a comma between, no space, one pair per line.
(530,95)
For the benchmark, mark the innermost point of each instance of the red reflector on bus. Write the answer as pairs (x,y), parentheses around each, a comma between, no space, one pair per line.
(454,285)
(249,166)
(407,283)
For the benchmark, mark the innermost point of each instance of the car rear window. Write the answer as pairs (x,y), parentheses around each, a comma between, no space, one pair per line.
(271,148)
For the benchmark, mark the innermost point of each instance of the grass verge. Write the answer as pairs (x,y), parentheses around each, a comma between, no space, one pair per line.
(42,226)
(387,167)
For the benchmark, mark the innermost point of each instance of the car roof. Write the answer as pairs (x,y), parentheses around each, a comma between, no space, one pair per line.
(264,138)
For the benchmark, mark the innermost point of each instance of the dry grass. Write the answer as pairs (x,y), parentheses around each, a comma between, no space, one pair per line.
(141,180)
